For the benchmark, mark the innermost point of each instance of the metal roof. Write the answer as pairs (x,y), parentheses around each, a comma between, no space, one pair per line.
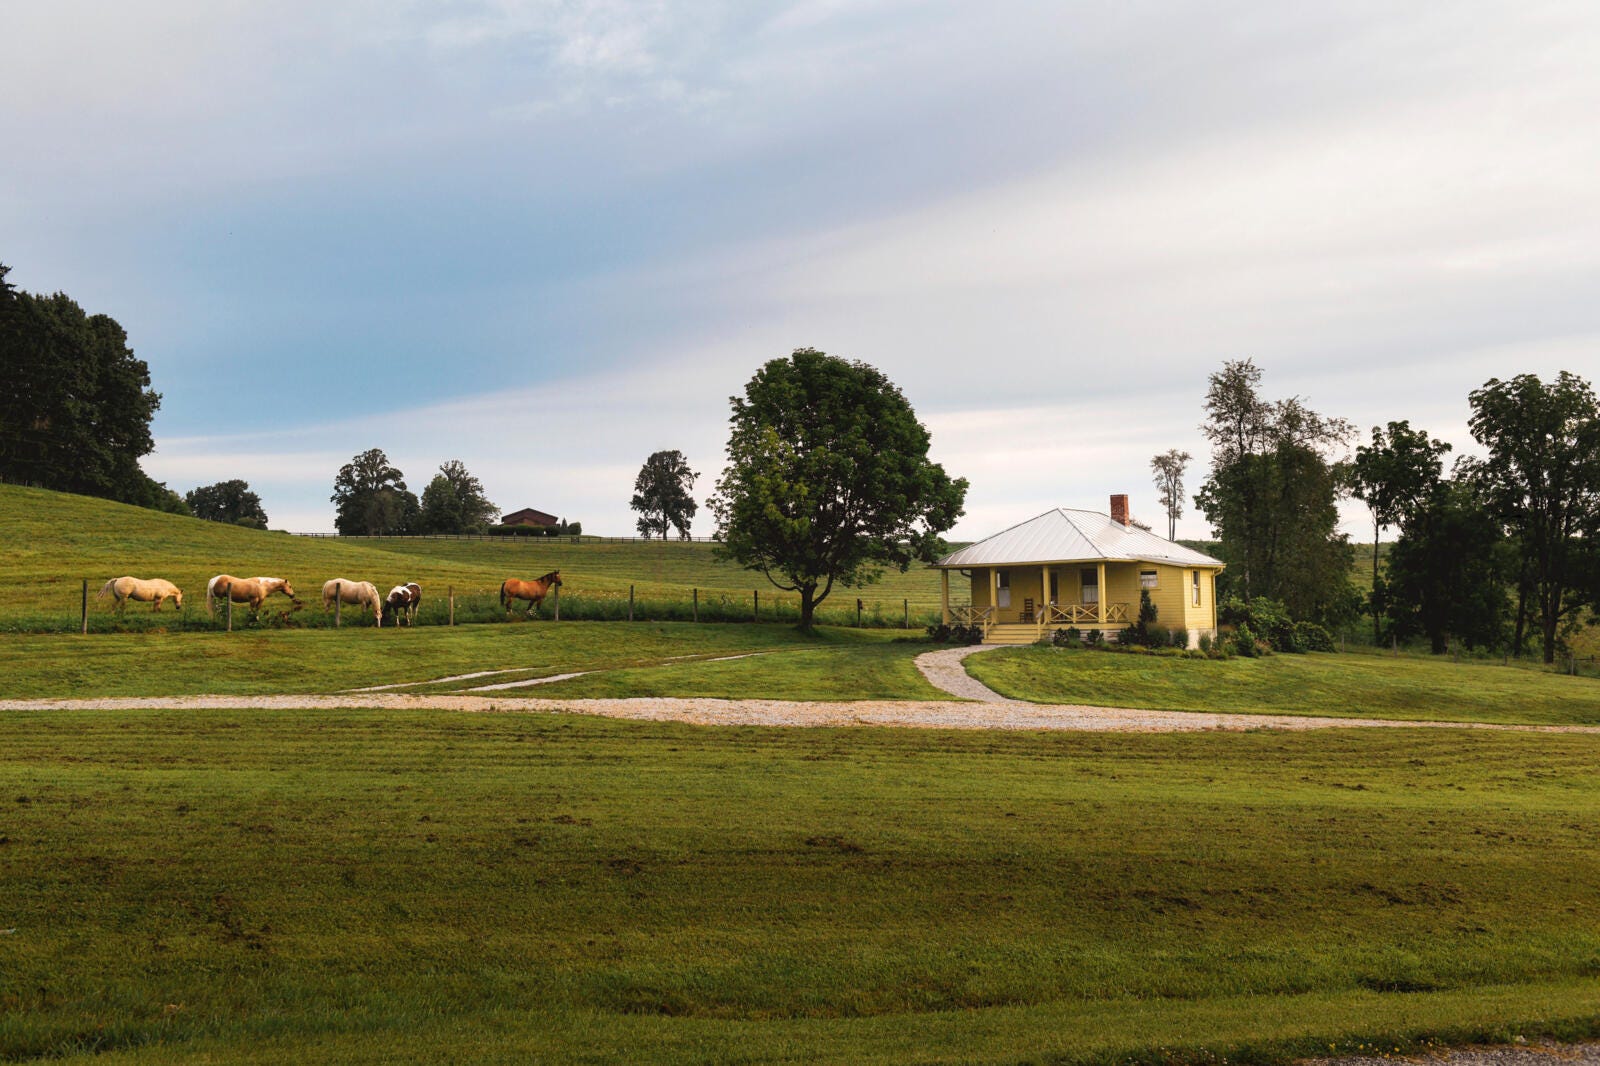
(1063,536)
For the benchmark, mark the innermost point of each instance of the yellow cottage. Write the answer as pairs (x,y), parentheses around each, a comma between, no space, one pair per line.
(1084,569)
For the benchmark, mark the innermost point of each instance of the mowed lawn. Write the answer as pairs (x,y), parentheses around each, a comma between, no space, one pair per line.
(1426,688)
(831,663)
(374,887)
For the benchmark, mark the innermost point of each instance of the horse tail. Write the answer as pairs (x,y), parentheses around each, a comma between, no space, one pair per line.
(106,590)
(504,602)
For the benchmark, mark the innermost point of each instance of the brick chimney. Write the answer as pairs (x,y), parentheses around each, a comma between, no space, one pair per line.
(1119,508)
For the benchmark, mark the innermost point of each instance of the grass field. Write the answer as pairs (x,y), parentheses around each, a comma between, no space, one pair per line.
(829,664)
(250,887)
(54,541)
(1430,688)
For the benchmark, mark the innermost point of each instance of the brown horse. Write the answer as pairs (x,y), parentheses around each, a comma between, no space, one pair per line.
(136,588)
(251,590)
(533,591)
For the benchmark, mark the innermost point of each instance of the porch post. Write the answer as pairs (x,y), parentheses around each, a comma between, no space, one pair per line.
(994,593)
(1100,597)
(1044,596)
(944,598)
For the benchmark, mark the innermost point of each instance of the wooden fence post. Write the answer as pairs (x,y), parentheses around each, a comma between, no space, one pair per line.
(452,594)
(558,603)
(338,604)
(697,605)
(858,612)
(755,611)
(905,607)
(85,617)
(630,603)
(229,595)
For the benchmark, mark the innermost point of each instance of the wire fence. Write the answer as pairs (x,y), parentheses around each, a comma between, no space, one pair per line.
(453,605)
(535,538)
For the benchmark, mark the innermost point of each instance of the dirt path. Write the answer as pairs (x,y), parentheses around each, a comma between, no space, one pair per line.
(915,714)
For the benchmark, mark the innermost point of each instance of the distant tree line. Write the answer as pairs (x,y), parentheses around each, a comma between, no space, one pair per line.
(1502,553)
(371,499)
(75,403)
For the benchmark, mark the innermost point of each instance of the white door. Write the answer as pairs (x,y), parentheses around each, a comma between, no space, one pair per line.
(1003,600)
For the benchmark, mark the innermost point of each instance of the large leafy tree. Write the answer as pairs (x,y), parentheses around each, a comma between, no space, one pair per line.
(1394,475)
(1168,470)
(662,494)
(1446,575)
(454,502)
(227,501)
(1272,496)
(75,403)
(1541,479)
(828,479)
(372,499)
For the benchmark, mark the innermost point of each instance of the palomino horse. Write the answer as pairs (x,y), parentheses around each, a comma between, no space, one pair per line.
(361,593)
(137,588)
(403,601)
(533,591)
(251,590)
(211,587)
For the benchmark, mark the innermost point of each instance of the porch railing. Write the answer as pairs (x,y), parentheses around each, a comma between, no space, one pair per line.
(1072,614)
(968,615)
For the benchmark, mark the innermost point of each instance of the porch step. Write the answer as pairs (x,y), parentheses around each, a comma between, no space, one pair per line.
(1012,633)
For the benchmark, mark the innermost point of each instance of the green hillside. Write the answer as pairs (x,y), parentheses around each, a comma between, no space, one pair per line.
(55,541)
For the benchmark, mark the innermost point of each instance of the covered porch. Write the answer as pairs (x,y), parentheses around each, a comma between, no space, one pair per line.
(1090,595)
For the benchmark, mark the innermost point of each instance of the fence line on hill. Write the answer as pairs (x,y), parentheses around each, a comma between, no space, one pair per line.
(482,606)
(581,538)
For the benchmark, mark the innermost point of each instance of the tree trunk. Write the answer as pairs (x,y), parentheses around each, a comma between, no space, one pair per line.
(1377,626)
(1550,618)
(1521,634)
(808,607)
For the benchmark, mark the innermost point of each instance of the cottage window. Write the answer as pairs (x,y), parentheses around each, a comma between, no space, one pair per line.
(1197,588)
(1147,579)
(1089,581)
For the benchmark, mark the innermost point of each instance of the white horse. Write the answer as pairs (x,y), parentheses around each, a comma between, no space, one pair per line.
(157,589)
(361,593)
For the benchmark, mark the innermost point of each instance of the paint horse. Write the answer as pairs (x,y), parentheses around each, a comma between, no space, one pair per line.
(403,601)
(361,593)
(251,590)
(137,588)
(533,591)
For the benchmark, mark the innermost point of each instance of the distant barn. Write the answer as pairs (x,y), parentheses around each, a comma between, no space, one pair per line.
(530,517)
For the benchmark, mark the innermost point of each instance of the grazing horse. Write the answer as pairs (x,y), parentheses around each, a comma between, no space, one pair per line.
(211,588)
(403,601)
(251,590)
(362,593)
(137,588)
(533,591)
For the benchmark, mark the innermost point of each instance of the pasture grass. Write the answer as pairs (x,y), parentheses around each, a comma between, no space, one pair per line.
(829,663)
(55,540)
(373,886)
(1424,688)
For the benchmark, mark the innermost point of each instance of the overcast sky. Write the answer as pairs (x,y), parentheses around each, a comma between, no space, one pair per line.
(548,238)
